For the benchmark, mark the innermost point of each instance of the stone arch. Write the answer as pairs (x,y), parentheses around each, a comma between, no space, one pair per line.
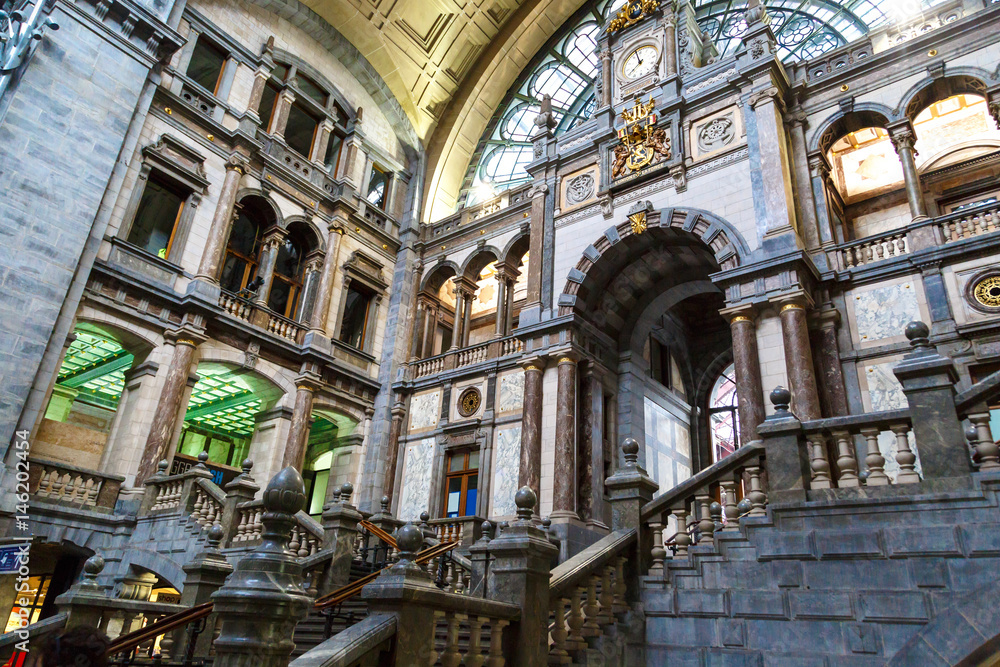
(960,80)
(966,633)
(164,567)
(845,121)
(640,327)
(234,358)
(682,226)
(324,403)
(309,231)
(439,274)
(139,343)
(477,261)
(268,207)
(515,249)
(306,68)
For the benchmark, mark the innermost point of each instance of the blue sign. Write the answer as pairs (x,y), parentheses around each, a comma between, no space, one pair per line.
(8,558)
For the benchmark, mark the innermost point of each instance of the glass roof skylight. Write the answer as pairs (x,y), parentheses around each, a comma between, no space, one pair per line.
(567,65)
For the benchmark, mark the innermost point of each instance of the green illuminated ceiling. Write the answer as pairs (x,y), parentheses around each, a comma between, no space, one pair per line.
(223,401)
(96,367)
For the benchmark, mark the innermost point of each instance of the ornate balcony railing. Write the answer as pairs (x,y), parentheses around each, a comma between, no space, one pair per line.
(66,484)
(965,224)
(260,316)
(466,356)
(873,249)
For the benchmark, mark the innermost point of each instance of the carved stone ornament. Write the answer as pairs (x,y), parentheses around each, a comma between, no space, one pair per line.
(716,134)
(633,12)
(638,222)
(758,48)
(469,402)
(580,189)
(251,355)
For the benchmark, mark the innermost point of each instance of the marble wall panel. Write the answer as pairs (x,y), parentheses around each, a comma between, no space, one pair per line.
(424,410)
(506,462)
(417,468)
(510,395)
(884,311)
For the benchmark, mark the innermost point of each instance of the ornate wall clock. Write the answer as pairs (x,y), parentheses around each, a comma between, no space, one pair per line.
(640,62)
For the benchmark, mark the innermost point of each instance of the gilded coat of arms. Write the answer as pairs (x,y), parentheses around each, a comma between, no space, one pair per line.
(642,141)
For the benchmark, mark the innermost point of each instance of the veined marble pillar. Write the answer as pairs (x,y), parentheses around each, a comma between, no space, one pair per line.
(590,450)
(268,257)
(501,317)
(279,119)
(324,294)
(260,78)
(536,244)
(530,471)
(747,369)
(827,358)
(419,322)
(670,41)
(168,408)
(467,317)
(799,361)
(218,233)
(564,482)
(395,428)
(298,434)
(319,145)
(777,196)
(819,174)
(313,274)
(456,326)
(806,211)
(903,139)
(606,78)
(430,329)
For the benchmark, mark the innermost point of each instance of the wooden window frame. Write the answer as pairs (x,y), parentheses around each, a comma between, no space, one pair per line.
(465,474)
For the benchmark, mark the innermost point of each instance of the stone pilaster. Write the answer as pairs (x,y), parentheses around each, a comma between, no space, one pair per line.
(320,143)
(564,482)
(204,575)
(903,139)
(799,360)
(819,175)
(830,375)
(260,78)
(747,369)
(395,428)
(340,528)
(279,119)
(168,409)
(218,234)
(530,471)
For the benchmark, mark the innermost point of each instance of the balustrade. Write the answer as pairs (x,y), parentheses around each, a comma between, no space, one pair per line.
(873,249)
(840,438)
(466,356)
(238,307)
(473,355)
(464,529)
(248,311)
(68,485)
(975,221)
(283,327)
(208,504)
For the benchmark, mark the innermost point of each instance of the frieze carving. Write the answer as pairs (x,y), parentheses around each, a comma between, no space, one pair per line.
(711,81)
(770,93)
(717,133)
(580,189)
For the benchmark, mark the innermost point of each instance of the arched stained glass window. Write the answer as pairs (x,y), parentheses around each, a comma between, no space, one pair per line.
(567,65)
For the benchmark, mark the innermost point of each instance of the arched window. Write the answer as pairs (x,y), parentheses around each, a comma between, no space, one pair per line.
(723,418)
(243,248)
(286,286)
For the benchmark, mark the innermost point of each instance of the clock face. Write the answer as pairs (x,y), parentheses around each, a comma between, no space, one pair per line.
(640,62)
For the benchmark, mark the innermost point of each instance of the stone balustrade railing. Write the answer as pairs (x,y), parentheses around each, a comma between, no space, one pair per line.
(974,221)
(307,534)
(66,484)
(587,594)
(209,504)
(467,356)
(873,249)
(248,311)
(464,529)
(736,480)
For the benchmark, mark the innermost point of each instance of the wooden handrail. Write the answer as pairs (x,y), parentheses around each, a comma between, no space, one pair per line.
(378,532)
(162,626)
(166,624)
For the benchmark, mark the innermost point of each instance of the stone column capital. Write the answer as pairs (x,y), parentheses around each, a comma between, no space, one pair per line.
(797,301)
(819,166)
(536,363)
(186,335)
(743,312)
(769,94)
(239,163)
(902,135)
(287,95)
(273,238)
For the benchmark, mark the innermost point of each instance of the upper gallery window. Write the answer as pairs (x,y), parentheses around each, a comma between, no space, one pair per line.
(242,250)
(461,483)
(357,306)
(157,215)
(268,101)
(378,185)
(207,62)
(286,285)
(301,130)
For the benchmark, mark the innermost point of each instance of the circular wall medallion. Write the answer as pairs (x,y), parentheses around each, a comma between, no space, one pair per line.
(469,402)
(983,292)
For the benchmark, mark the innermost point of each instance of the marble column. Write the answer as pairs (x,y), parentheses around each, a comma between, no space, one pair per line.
(747,369)
(320,143)
(268,257)
(430,328)
(819,175)
(298,433)
(467,300)
(419,322)
(536,243)
(279,119)
(395,428)
(501,317)
(530,471)
(806,211)
(799,361)
(313,273)
(324,293)
(509,308)
(903,140)
(590,450)
(417,311)
(830,375)
(168,408)
(456,325)
(218,233)
(564,482)
(606,78)
(260,78)
(669,41)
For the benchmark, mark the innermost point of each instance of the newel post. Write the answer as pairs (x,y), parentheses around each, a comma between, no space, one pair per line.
(788,461)
(630,488)
(340,532)
(240,490)
(928,380)
(519,575)
(263,599)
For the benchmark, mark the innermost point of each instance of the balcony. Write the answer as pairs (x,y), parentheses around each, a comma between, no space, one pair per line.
(497,348)
(260,316)
(944,230)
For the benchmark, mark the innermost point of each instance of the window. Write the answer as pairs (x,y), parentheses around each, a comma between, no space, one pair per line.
(28,603)
(300,130)
(286,283)
(332,158)
(207,61)
(378,185)
(723,417)
(242,250)
(354,326)
(268,100)
(311,89)
(461,483)
(157,215)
